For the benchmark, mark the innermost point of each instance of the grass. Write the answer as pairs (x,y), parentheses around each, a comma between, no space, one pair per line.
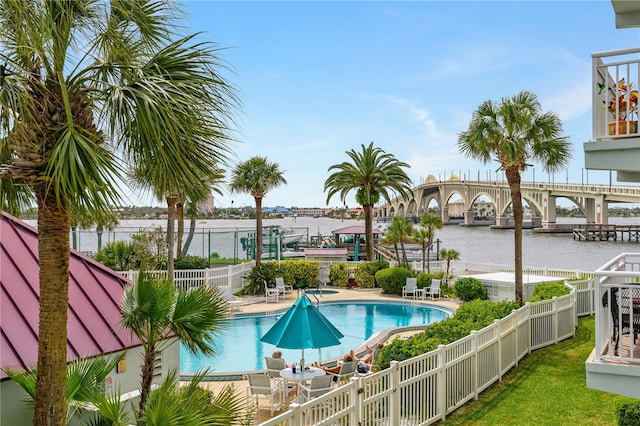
(547,388)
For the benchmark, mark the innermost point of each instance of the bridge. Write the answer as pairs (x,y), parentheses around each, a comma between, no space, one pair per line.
(592,200)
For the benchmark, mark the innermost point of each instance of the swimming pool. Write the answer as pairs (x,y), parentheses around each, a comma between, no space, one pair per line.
(240,348)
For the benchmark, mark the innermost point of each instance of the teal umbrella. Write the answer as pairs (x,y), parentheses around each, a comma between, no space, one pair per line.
(303,327)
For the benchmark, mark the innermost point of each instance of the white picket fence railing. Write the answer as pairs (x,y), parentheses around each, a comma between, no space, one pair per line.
(425,389)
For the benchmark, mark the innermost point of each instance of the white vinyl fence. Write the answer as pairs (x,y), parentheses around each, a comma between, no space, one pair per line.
(424,389)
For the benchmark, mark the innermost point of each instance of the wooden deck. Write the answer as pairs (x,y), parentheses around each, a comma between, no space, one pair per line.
(601,232)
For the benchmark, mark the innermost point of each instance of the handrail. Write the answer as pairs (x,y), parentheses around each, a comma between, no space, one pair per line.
(304,290)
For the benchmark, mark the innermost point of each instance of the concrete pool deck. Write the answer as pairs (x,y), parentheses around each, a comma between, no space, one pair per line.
(342,294)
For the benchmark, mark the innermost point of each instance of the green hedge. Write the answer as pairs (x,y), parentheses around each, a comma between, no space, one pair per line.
(298,273)
(545,291)
(338,275)
(468,289)
(365,273)
(628,413)
(391,280)
(470,316)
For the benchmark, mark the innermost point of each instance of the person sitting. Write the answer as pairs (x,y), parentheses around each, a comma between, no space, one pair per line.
(336,369)
(278,354)
(368,357)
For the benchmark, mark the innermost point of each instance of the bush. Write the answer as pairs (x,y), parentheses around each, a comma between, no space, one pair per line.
(365,273)
(468,289)
(190,262)
(338,275)
(424,279)
(391,280)
(545,291)
(119,256)
(264,272)
(628,413)
(298,273)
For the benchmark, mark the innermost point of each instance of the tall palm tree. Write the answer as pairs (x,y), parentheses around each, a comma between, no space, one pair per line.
(513,133)
(155,310)
(430,222)
(373,174)
(402,231)
(80,80)
(422,237)
(449,255)
(256,176)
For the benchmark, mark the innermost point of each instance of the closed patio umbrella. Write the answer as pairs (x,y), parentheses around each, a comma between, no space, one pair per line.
(303,327)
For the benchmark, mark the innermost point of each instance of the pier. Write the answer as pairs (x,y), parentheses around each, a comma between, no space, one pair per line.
(603,232)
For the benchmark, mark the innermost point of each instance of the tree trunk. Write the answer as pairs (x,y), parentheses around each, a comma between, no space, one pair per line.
(513,178)
(192,231)
(258,249)
(180,213)
(405,262)
(429,244)
(53,251)
(99,231)
(148,367)
(171,217)
(424,251)
(368,230)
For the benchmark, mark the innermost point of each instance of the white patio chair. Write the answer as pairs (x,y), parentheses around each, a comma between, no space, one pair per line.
(234,301)
(434,290)
(283,289)
(411,288)
(319,386)
(271,294)
(347,369)
(261,387)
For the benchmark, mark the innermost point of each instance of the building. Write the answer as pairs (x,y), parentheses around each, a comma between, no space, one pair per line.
(93,325)
(207,206)
(614,364)
(309,212)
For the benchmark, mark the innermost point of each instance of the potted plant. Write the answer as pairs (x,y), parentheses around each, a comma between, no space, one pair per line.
(622,108)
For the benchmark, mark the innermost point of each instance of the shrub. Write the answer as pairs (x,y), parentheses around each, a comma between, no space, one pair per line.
(365,274)
(298,273)
(119,256)
(264,272)
(424,279)
(628,413)
(338,275)
(468,289)
(391,280)
(190,262)
(545,291)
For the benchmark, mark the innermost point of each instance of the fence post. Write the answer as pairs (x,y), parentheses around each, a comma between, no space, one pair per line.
(356,398)
(394,406)
(442,391)
(476,367)
(554,301)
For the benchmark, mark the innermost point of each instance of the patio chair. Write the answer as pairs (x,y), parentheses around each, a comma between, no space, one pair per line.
(625,312)
(318,386)
(227,294)
(434,290)
(283,289)
(261,387)
(347,369)
(274,367)
(411,288)
(271,294)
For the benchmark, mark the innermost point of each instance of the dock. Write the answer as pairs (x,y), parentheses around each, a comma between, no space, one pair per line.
(602,232)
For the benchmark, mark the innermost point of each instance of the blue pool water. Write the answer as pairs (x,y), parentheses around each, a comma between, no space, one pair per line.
(240,348)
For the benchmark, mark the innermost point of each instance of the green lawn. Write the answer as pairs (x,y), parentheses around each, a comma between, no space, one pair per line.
(547,388)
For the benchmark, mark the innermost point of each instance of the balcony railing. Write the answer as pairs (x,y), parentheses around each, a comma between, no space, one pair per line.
(617,300)
(616,75)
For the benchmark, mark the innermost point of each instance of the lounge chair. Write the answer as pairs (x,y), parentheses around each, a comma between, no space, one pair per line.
(319,386)
(283,289)
(227,294)
(434,290)
(411,288)
(347,369)
(261,387)
(271,294)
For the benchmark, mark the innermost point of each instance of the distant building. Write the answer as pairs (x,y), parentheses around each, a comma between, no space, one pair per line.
(207,205)
(311,212)
(277,210)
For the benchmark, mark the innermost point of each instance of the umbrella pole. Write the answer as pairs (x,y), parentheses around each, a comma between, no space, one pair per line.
(302,361)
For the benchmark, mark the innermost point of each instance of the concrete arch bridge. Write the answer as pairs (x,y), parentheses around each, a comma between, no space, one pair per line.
(592,200)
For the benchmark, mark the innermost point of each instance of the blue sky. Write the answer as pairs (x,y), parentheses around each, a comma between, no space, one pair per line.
(320,78)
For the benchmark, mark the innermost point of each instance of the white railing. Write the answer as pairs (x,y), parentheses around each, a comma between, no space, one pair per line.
(232,276)
(617,301)
(425,389)
(613,117)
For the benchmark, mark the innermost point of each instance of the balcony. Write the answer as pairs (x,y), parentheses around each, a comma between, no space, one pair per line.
(614,364)
(615,143)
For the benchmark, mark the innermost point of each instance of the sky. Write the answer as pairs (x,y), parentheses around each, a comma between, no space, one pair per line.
(317,79)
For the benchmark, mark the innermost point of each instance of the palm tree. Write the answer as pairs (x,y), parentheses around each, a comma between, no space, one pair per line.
(449,255)
(155,310)
(401,231)
(256,176)
(80,80)
(422,236)
(430,222)
(373,174)
(513,133)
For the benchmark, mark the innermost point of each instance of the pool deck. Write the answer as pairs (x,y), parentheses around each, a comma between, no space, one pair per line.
(255,305)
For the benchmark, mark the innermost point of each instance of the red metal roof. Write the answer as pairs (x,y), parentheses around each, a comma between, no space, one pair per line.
(95,293)
(354,229)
